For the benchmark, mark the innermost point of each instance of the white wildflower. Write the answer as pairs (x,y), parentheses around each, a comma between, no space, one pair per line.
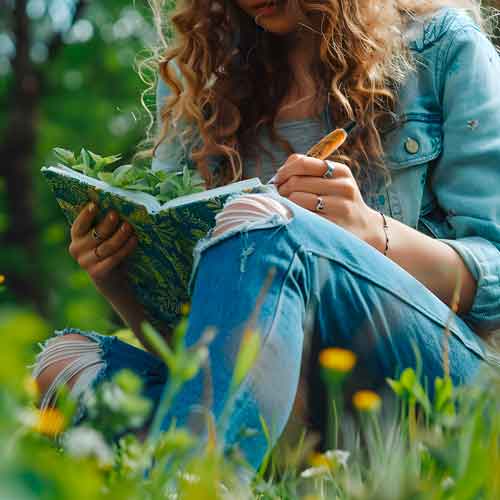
(447,483)
(83,442)
(315,471)
(338,457)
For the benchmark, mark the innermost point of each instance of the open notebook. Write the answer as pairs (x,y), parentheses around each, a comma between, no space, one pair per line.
(160,267)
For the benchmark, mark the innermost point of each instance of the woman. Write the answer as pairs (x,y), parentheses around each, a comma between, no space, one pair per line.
(370,252)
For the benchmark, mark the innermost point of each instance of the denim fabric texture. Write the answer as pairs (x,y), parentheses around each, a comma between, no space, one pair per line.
(443,151)
(359,299)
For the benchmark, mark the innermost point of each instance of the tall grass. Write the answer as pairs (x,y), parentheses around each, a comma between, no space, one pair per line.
(404,446)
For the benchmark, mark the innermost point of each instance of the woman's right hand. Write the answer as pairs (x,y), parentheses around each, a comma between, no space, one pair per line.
(116,241)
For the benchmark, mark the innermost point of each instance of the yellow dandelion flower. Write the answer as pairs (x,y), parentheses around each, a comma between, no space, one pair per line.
(319,460)
(367,401)
(185,309)
(2,279)
(338,360)
(50,422)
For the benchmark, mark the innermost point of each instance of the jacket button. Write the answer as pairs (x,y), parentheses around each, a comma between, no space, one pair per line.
(412,146)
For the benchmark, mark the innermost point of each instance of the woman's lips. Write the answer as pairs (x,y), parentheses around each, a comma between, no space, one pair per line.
(266,7)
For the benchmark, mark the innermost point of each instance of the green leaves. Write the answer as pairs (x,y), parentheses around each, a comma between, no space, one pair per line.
(164,186)
(409,389)
(443,396)
(64,156)
(87,162)
(179,184)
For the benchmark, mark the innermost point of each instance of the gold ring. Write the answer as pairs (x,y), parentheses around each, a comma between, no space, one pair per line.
(96,235)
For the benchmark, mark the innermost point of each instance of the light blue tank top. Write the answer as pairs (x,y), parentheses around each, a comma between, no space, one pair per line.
(301,134)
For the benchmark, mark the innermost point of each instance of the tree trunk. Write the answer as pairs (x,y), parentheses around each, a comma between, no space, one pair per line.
(17,152)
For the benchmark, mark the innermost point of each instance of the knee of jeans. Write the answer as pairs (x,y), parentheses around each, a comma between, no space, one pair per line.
(242,213)
(248,211)
(70,359)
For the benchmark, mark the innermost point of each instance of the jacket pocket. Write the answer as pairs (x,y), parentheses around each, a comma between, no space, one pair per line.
(410,146)
(414,138)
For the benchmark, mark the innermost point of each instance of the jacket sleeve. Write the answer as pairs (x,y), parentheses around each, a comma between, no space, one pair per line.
(466,178)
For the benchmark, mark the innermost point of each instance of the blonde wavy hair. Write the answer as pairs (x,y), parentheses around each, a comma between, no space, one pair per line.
(234,75)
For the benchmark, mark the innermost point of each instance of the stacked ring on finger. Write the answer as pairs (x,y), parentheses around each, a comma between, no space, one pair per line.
(330,167)
(320,204)
(96,235)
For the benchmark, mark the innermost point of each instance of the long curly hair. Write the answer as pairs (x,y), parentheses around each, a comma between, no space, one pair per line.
(234,75)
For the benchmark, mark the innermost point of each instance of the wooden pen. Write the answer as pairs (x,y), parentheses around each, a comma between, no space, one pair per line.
(330,143)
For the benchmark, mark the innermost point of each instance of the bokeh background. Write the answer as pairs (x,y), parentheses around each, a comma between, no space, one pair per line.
(68,77)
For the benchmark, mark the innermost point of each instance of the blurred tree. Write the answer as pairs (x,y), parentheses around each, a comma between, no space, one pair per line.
(18,148)
(67,78)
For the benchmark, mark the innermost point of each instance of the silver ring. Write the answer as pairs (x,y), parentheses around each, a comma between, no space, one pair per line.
(330,167)
(99,257)
(320,204)
(96,235)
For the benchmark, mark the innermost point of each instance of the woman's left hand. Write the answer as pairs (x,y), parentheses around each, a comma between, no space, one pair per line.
(301,180)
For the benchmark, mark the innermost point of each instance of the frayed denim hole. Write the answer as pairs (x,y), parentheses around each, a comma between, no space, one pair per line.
(104,341)
(274,220)
(87,363)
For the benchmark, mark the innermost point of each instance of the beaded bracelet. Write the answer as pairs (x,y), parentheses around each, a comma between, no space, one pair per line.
(386,227)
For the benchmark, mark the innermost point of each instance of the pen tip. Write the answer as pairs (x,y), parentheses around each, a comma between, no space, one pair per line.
(349,126)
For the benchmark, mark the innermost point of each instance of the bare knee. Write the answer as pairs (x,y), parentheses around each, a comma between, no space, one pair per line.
(248,208)
(63,361)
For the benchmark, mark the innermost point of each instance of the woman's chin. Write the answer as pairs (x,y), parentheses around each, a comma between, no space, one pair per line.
(276,26)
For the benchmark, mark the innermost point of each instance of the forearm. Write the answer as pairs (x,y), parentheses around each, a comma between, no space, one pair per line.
(432,262)
(120,295)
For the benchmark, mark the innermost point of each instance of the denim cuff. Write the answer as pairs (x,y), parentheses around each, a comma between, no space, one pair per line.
(483,260)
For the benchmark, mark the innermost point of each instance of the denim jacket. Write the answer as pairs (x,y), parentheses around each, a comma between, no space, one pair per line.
(443,150)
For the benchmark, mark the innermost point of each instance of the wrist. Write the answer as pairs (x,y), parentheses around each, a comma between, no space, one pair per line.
(378,238)
(115,283)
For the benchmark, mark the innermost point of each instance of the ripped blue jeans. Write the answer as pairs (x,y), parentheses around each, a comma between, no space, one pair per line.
(357,299)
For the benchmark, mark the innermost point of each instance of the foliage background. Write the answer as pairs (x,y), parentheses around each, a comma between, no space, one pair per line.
(68,77)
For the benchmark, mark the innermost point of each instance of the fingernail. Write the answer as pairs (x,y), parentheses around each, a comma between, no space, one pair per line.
(92,207)
(112,216)
(125,227)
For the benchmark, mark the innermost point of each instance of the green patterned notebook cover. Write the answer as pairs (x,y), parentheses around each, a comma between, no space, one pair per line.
(160,267)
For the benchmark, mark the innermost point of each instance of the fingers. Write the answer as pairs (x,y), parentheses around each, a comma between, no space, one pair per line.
(83,222)
(81,235)
(303,165)
(108,247)
(317,185)
(106,227)
(102,268)
(309,201)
